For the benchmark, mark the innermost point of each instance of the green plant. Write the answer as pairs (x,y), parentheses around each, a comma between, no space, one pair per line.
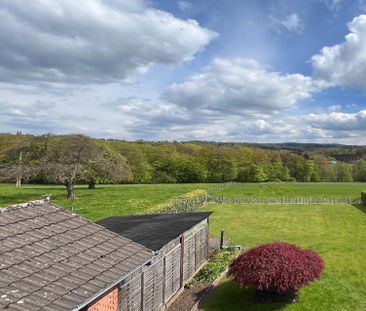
(183,204)
(214,267)
(363,197)
(276,270)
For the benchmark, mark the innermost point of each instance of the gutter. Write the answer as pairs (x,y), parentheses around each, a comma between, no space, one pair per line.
(109,287)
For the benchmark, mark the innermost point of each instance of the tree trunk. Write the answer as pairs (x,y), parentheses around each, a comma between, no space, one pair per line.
(18,182)
(91,185)
(70,191)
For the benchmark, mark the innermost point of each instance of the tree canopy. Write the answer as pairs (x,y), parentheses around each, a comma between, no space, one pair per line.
(75,159)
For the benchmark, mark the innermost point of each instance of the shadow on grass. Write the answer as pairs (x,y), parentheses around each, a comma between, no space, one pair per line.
(229,296)
(360,207)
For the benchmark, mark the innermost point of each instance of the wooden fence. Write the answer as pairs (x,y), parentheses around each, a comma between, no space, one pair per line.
(157,284)
(285,200)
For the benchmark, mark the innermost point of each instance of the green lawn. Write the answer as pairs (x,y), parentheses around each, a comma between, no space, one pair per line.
(337,232)
(292,189)
(104,201)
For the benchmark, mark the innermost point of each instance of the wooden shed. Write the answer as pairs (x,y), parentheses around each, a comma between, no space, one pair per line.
(180,245)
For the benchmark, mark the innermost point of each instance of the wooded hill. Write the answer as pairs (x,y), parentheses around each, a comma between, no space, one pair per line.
(50,158)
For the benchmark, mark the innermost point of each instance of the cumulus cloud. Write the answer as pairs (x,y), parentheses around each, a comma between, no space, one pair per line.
(344,64)
(338,121)
(240,86)
(91,41)
(290,22)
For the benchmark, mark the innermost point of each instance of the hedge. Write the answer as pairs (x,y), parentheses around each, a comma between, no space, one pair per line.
(185,203)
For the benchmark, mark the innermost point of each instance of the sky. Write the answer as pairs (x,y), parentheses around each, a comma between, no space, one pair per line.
(230,70)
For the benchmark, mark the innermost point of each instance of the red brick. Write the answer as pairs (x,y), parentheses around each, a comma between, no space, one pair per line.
(108,302)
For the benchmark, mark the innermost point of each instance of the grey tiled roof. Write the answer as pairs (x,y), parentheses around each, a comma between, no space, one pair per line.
(51,259)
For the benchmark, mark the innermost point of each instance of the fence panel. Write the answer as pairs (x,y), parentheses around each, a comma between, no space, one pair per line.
(286,200)
(201,247)
(130,295)
(153,286)
(172,272)
(189,261)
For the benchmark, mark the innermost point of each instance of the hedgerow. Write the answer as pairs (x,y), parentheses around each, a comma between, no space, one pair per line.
(185,203)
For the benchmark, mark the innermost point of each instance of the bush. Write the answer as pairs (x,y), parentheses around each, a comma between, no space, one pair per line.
(185,203)
(276,268)
(363,198)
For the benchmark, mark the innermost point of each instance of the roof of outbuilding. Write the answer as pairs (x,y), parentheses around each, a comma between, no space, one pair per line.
(51,259)
(153,231)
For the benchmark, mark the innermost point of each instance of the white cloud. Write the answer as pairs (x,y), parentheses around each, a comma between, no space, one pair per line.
(344,64)
(334,108)
(338,121)
(333,5)
(240,86)
(184,5)
(290,22)
(91,41)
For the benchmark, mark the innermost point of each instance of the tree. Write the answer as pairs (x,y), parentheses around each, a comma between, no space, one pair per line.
(141,169)
(251,173)
(276,270)
(359,170)
(221,166)
(107,167)
(76,158)
(21,159)
(186,169)
(344,171)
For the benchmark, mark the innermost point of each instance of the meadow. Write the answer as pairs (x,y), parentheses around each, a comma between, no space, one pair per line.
(104,201)
(291,189)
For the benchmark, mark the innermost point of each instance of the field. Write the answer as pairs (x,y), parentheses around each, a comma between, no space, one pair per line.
(104,201)
(337,232)
(288,189)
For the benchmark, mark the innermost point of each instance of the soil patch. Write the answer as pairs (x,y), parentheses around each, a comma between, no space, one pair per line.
(189,297)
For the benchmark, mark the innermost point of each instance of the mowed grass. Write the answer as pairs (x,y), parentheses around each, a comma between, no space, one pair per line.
(337,232)
(104,201)
(293,189)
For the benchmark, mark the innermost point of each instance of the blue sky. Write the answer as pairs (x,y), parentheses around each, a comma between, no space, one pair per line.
(230,70)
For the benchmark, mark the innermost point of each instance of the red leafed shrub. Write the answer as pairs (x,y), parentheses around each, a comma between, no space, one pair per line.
(276,267)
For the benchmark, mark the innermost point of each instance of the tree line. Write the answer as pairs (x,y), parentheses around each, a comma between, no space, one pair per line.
(75,159)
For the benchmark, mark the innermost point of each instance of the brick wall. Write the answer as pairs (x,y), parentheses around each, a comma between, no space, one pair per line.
(108,302)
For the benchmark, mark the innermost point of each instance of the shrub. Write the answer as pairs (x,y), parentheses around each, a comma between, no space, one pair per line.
(185,203)
(363,198)
(276,268)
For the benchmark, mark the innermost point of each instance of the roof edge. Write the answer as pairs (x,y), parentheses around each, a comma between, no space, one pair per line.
(208,214)
(33,203)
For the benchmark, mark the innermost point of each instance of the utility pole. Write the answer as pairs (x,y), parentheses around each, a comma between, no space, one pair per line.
(18,182)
